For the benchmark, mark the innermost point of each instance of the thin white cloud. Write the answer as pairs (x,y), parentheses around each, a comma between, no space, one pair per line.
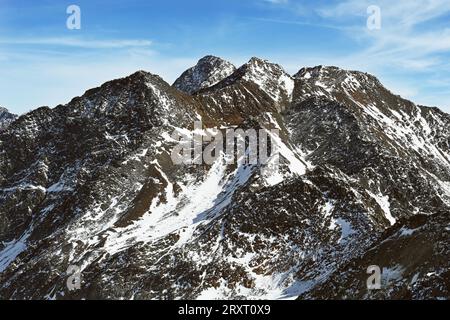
(277,1)
(78,42)
(402,13)
(412,41)
(301,23)
(400,32)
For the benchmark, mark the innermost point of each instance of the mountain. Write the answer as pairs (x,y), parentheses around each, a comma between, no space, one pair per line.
(363,179)
(253,89)
(415,255)
(6,118)
(208,71)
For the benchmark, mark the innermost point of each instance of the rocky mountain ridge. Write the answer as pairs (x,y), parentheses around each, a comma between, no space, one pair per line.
(91,184)
(6,118)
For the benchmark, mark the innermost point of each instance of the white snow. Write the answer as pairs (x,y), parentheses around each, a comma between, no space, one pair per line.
(277,286)
(164,101)
(12,250)
(328,208)
(383,202)
(345,226)
(265,74)
(390,274)
(24,186)
(296,165)
(60,186)
(406,232)
(196,204)
(138,156)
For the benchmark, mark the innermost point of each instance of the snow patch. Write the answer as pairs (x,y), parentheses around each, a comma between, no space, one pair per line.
(383,202)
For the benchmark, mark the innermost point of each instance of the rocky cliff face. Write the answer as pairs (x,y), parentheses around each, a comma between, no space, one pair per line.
(6,118)
(364,179)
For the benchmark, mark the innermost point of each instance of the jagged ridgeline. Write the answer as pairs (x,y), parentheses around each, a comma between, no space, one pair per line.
(6,118)
(363,179)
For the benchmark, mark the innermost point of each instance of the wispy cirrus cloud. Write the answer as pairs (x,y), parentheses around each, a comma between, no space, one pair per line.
(403,35)
(413,44)
(277,1)
(301,23)
(398,14)
(77,42)
(409,54)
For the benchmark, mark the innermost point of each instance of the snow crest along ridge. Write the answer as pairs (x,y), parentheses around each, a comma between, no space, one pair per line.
(271,78)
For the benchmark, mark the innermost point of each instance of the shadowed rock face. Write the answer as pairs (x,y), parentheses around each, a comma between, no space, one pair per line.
(364,179)
(6,118)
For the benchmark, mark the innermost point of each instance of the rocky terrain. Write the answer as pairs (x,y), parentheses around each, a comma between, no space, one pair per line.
(207,72)
(363,179)
(6,118)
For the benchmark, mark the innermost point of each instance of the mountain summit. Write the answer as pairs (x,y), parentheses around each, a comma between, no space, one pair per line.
(208,71)
(6,118)
(363,179)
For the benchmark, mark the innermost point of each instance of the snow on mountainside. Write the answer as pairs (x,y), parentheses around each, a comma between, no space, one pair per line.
(254,89)
(207,72)
(414,135)
(269,77)
(362,173)
(414,259)
(6,118)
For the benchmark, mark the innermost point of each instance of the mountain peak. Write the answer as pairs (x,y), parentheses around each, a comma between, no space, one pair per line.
(6,118)
(270,77)
(333,74)
(210,59)
(4,110)
(208,71)
(351,87)
(93,184)
(143,76)
(256,60)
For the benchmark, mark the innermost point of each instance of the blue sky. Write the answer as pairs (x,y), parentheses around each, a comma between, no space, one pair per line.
(44,63)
